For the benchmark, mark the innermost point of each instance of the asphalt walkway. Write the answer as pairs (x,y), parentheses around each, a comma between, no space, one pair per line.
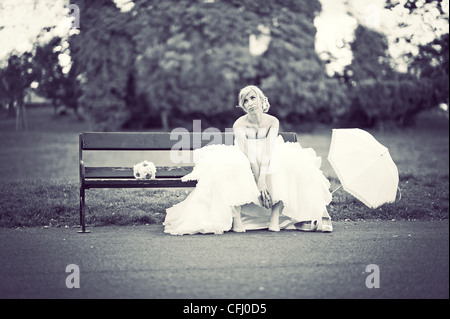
(405,259)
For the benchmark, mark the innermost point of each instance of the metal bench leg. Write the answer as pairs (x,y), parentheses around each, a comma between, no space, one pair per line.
(82,212)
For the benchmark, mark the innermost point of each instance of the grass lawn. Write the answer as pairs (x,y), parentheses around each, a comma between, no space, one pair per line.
(39,176)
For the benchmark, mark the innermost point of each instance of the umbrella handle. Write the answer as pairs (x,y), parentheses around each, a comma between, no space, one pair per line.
(400,194)
(336,189)
(400,191)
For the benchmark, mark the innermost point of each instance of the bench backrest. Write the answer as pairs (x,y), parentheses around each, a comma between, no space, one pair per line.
(159,141)
(151,141)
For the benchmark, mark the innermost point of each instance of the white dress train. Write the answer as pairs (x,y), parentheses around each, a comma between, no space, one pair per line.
(225,180)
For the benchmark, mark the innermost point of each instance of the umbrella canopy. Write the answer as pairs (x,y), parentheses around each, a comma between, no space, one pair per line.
(363,166)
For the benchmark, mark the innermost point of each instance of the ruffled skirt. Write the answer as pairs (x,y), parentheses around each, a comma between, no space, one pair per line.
(226,181)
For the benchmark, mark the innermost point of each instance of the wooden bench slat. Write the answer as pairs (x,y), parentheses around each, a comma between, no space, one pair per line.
(289,136)
(135,183)
(154,141)
(127,172)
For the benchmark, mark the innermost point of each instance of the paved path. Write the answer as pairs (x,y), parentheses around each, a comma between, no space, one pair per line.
(143,262)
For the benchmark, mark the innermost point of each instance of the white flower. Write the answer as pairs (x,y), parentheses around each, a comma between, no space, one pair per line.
(144,170)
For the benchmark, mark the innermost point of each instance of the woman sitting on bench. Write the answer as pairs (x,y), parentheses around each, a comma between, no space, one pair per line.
(261,182)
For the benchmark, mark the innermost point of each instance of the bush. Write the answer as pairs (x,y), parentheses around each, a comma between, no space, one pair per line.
(377,102)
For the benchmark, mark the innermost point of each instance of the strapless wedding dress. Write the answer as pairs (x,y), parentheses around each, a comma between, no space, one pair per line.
(225,180)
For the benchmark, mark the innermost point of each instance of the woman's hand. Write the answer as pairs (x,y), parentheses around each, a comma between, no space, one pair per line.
(266,199)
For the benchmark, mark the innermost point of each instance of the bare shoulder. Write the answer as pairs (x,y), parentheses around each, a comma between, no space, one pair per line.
(240,122)
(272,120)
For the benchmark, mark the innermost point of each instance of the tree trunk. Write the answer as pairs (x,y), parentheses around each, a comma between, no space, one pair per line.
(21,117)
(165,120)
(11,109)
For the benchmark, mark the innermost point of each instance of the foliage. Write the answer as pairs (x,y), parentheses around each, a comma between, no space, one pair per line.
(50,76)
(16,78)
(432,65)
(390,101)
(190,58)
(167,62)
(103,56)
(370,56)
(54,84)
(429,68)
(294,76)
(194,56)
(40,66)
(380,95)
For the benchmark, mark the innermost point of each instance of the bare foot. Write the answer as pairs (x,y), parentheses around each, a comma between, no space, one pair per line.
(274,228)
(238,227)
(274,221)
(274,224)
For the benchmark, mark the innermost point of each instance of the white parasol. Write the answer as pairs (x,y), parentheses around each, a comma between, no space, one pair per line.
(364,166)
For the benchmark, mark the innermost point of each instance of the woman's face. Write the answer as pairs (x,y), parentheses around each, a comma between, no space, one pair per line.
(252,103)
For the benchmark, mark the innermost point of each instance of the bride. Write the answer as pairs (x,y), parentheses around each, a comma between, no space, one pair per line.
(260,182)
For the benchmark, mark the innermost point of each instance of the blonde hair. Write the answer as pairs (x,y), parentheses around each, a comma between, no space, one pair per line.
(246,90)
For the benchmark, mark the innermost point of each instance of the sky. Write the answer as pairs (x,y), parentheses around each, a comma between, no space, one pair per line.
(21,22)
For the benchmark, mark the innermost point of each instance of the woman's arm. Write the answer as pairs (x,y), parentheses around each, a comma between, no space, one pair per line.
(268,147)
(259,167)
(265,158)
(242,141)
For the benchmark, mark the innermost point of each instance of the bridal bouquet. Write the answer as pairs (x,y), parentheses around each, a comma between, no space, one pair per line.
(144,170)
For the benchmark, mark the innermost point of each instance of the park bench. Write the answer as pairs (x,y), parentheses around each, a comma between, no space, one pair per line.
(166,176)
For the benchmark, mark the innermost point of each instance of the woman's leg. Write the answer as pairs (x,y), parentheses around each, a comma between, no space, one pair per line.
(274,222)
(238,227)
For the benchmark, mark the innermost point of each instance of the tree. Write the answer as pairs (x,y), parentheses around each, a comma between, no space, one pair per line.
(380,95)
(53,83)
(371,59)
(428,65)
(364,77)
(103,56)
(199,53)
(173,58)
(432,64)
(194,55)
(16,79)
